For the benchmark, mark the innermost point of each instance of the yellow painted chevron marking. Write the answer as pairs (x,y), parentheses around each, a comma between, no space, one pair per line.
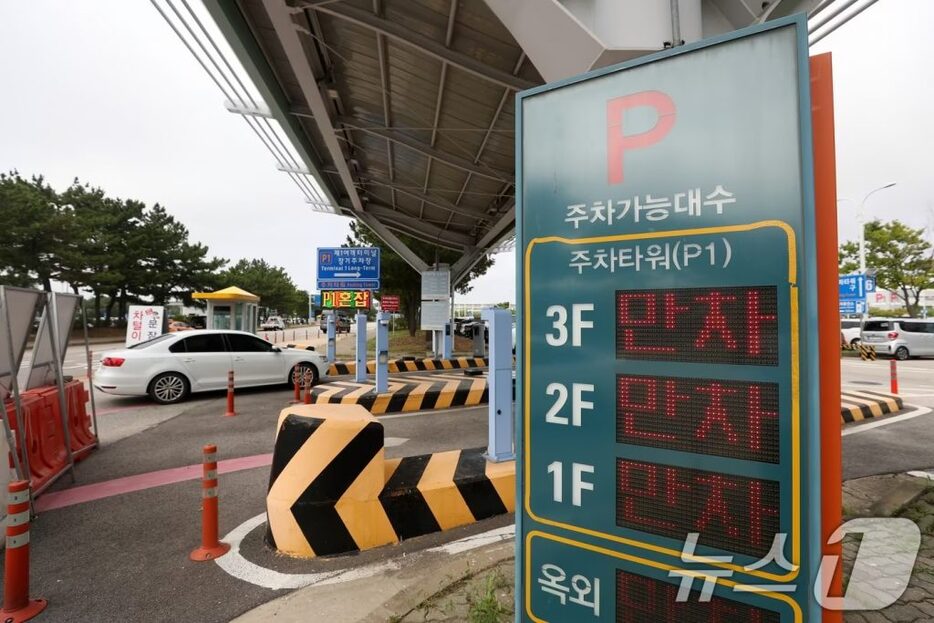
(311,459)
(854,410)
(441,494)
(476,391)
(446,364)
(888,400)
(361,511)
(503,477)
(389,468)
(873,405)
(414,400)
(323,396)
(382,401)
(446,395)
(354,396)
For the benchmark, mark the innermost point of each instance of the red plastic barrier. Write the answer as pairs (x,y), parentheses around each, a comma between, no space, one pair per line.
(82,439)
(43,435)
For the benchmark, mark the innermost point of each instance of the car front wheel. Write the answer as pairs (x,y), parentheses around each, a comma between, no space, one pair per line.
(301,369)
(169,388)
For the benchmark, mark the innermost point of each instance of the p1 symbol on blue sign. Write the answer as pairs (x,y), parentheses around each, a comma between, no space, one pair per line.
(354,268)
(667,317)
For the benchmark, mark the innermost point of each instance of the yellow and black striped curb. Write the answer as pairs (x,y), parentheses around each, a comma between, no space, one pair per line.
(866,352)
(331,490)
(407,394)
(409,365)
(860,405)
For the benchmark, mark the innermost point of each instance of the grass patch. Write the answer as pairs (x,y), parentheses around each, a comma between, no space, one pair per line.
(485,605)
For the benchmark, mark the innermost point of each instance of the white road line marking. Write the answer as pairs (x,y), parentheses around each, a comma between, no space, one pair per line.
(239,567)
(927,475)
(493,536)
(885,422)
(392,442)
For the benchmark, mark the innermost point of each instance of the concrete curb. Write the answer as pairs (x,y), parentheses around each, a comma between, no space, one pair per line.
(439,391)
(856,406)
(332,491)
(397,592)
(341,368)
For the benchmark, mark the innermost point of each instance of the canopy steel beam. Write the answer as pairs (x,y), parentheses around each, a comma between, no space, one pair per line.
(281,18)
(406,36)
(438,202)
(427,231)
(423,148)
(502,228)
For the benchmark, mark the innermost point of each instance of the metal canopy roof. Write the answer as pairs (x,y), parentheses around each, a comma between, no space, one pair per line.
(401,112)
(404,109)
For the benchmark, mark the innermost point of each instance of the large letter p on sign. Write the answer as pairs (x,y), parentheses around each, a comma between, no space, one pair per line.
(618,142)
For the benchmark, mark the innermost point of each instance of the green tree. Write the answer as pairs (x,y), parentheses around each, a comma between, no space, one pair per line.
(397,277)
(271,284)
(33,229)
(903,259)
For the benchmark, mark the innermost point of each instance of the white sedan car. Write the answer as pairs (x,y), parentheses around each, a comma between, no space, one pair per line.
(171,366)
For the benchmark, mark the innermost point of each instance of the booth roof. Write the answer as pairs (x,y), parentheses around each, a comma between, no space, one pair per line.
(233,293)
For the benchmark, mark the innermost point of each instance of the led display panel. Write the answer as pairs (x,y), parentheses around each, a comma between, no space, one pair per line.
(734,419)
(731,513)
(346,299)
(640,599)
(733,325)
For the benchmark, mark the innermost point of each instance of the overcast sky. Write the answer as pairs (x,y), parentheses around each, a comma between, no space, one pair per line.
(104,91)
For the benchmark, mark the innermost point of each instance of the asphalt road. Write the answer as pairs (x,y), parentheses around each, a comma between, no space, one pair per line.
(125,557)
(900,443)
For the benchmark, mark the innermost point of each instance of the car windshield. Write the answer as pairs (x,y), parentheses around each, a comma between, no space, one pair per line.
(155,340)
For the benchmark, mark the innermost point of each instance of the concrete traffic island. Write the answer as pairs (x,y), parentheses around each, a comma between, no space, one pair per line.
(332,491)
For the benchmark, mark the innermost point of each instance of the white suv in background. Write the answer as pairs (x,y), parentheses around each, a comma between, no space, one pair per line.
(900,337)
(851,329)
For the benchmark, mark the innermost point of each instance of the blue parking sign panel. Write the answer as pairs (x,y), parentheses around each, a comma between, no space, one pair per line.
(666,381)
(349,268)
(854,286)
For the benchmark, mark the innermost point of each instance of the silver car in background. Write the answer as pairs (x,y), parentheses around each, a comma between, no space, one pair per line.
(900,337)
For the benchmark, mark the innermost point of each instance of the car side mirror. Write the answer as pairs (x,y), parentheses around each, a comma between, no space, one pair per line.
(276,349)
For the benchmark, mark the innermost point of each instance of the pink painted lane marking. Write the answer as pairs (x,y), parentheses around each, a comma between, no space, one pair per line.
(140,482)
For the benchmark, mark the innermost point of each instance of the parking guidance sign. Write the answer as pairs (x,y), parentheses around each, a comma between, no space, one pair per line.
(667,353)
(348,268)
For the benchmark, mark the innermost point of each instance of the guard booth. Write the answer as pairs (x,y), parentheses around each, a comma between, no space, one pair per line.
(231,308)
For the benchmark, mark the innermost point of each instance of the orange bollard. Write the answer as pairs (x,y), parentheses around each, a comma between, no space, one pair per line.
(17,606)
(211,547)
(893,376)
(308,387)
(230,394)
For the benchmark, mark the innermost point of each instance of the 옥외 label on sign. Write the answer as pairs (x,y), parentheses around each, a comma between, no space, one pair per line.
(144,322)
(666,464)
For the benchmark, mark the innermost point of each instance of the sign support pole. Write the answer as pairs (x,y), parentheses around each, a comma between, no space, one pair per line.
(360,375)
(332,338)
(382,353)
(499,380)
(447,341)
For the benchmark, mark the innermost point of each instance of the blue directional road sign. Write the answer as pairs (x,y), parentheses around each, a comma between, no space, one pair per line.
(870,284)
(348,268)
(667,380)
(853,286)
(852,306)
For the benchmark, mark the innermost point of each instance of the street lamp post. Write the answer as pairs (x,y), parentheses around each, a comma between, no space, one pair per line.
(861,218)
